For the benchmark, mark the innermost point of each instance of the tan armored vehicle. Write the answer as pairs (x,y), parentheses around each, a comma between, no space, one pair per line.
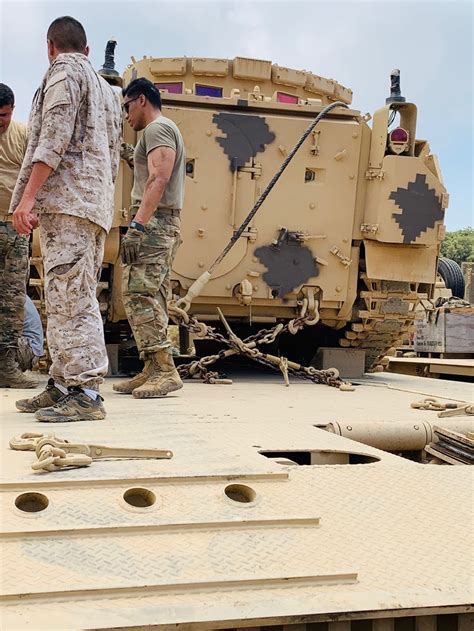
(350,233)
(249,514)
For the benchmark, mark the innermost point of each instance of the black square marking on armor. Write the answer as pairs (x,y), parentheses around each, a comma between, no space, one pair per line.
(246,135)
(420,207)
(289,265)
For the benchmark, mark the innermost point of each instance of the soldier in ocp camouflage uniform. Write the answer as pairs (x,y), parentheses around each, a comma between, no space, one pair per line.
(66,183)
(151,242)
(13,247)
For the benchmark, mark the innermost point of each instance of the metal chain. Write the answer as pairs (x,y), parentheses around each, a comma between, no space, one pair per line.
(29,440)
(54,459)
(247,348)
(430,403)
(444,409)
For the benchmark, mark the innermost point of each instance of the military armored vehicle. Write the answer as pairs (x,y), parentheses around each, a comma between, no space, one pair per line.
(252,516)
(350,234)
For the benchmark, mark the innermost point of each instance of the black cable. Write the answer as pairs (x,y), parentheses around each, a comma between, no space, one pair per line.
(393,113)
(273,181)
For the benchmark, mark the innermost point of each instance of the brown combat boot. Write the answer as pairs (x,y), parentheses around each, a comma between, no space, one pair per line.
(25,356)
(50,396)
(127,387)
(163,377)
(10,375)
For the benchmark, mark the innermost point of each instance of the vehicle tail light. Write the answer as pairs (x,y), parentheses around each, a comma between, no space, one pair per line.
(208,90)
(282,97)
(399,135)
(173,88)
(398,140)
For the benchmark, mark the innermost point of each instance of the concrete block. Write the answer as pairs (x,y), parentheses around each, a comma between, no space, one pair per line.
(349,361)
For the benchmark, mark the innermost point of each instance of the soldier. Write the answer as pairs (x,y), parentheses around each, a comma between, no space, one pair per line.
(13,247)
(66,183)
(31,342)
(150,244)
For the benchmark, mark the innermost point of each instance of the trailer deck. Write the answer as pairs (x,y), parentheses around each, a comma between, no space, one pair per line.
(231,532)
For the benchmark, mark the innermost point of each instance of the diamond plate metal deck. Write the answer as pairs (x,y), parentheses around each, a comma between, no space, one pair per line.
(317,540)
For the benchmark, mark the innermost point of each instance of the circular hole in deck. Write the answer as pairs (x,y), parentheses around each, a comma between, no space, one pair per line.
(31,502)
(240,493)
(139,497)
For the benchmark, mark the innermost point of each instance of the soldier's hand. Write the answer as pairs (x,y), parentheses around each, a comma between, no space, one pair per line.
(130,246)
(23,219)
(126,153)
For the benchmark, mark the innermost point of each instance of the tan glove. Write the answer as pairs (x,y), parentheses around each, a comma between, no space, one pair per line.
(126,153)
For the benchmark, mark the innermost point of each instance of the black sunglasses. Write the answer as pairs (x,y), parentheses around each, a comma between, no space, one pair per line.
(126,105)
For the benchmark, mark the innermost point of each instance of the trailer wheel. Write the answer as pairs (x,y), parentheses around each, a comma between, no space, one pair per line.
(451,273)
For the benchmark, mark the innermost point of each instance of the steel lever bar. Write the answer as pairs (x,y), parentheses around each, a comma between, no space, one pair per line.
(102,451)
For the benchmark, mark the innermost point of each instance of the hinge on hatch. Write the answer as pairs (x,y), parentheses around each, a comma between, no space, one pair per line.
(315,143)
(255,170)
(374,174)
(250,234)
(369,228)
(345,260)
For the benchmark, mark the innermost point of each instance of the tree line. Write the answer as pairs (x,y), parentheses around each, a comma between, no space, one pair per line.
(459,245)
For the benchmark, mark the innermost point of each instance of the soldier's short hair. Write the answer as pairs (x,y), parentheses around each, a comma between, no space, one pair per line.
(145,87)
(67,34)
(6,96)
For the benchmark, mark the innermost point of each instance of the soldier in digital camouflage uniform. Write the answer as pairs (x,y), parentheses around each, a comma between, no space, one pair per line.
(67,184)
(151,242)
(13,247)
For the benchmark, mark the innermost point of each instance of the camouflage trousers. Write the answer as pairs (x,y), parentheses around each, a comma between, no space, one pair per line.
(73,250)
(146,284)
(13,274)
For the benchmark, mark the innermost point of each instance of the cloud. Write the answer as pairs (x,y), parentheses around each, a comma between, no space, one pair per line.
(356,43)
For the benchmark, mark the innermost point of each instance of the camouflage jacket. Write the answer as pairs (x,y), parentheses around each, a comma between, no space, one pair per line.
(75,128)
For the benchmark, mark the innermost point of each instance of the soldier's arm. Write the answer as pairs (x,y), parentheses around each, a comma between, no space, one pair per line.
(160,166)
(60,105)
(24,221)
(114,131)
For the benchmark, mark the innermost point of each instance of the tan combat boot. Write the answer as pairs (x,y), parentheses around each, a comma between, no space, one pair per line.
(163,377)
(10,375)
(127,387)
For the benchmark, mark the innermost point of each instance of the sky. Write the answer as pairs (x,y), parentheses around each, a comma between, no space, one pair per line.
(357,43)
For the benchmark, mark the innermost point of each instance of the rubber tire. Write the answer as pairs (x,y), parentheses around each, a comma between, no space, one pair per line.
(451,273)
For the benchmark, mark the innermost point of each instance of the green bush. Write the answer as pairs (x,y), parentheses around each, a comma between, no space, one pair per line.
(459,245)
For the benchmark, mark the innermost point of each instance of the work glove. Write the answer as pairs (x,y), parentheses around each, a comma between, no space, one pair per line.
(126,153)
(130,246)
